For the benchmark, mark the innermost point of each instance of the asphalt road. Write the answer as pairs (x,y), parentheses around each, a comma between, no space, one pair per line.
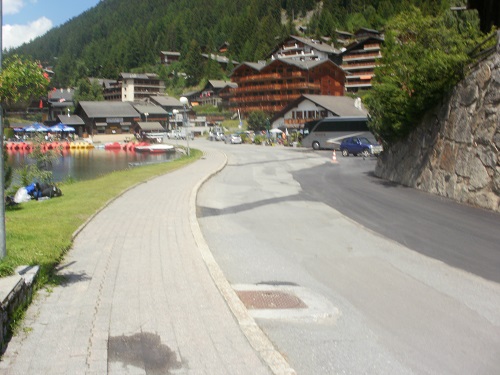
(461,236)
(382,269)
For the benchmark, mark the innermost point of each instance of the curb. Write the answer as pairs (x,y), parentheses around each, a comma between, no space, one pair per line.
(255,336)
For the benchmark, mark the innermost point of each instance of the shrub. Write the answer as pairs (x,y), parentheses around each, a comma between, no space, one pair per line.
(259,139)
(423,58)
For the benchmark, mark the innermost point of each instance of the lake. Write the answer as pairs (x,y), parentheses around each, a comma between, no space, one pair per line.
(86,164)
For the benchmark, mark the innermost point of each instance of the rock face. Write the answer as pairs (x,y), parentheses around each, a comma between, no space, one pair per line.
(454,151)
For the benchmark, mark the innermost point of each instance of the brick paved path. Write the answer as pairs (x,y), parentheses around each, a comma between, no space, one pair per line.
(138,297)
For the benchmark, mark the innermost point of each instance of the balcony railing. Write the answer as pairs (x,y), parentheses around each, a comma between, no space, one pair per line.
(258,77)
(264,108)
(277,87)
(254,88)
(372,46)
(362,56)
(264,98)
(369,65)
(298,121)
(358,75)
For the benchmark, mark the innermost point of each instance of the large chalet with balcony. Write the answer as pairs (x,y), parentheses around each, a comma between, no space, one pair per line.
(270,87)
(304,49)
(359,61)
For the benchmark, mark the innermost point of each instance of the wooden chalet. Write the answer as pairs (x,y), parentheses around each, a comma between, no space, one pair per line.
(343,38)
(303,49)
(271,87)
(152,113)
(169,57)
(223,48)
(107,117)
(60,102)
(209,95)
(316,107)
(359,61)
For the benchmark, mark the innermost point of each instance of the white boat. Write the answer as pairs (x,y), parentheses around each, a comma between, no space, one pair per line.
(155,148)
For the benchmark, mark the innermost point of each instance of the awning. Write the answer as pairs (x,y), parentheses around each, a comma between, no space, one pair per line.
(101,124)
(151,126)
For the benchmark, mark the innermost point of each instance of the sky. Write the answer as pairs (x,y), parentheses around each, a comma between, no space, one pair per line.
(24,20)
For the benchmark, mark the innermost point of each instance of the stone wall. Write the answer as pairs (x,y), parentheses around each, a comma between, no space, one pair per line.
(16,292)
(454,153)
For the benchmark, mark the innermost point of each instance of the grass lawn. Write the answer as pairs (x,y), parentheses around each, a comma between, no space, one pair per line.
(40,232)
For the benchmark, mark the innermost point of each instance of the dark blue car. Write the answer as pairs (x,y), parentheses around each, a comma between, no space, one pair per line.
(359,146)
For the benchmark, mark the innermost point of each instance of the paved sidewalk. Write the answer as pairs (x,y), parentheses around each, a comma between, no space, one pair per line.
(143,295)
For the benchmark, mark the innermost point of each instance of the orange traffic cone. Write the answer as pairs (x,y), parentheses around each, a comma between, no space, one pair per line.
(334,158)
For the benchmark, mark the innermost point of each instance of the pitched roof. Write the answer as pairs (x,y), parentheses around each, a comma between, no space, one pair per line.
(107,83)
(151,109)
(218,58)
(305,65)
(71,120)
(339,105)
(66,94)
(344,33)
(362,42)
(109,109)
(255,66)
(316,44)
(220,84)
(170,53)
(151,126)
(138,75)
(366,30)
(166,101)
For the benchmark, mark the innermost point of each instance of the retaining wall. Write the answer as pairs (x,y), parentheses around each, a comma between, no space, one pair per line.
(455,150)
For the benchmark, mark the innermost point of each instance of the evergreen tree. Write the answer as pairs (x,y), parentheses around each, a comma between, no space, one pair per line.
(87,91)
(230,66)
(193,63)
(119,35)
(212,69)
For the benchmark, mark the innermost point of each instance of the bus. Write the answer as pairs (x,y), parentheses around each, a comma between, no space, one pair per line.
(328,132)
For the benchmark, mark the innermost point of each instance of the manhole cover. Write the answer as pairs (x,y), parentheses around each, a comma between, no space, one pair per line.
(265,299)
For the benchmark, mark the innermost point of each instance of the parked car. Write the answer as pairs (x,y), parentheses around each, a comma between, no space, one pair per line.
(179,134)
(233,139)
(359,145)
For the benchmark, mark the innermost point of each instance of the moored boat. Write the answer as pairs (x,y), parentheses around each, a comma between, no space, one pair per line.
(113,146)
(155,148)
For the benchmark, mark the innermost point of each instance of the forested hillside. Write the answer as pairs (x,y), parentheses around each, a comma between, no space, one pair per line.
(122,35)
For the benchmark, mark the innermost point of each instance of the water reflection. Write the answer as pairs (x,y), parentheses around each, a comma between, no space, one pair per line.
(84,164)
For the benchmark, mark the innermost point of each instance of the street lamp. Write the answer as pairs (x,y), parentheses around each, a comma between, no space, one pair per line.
(175,112)
(184,101)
